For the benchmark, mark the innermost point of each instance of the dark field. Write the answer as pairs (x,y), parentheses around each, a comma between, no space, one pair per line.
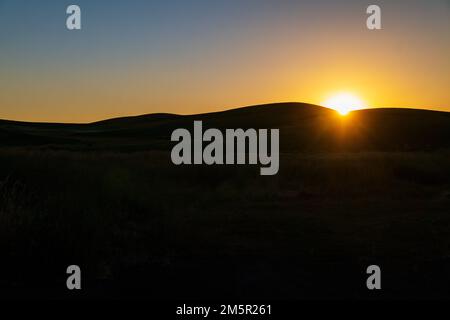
(139,226)
(134,222)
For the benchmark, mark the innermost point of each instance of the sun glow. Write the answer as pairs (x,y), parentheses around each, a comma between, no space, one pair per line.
(343,103)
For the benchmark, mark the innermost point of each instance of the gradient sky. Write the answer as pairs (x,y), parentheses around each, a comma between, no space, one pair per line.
(189,56)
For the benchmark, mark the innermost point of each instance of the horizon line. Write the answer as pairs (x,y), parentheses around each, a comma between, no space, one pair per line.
(215,112)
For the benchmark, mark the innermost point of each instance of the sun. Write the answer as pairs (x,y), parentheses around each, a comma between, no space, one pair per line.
(344,103)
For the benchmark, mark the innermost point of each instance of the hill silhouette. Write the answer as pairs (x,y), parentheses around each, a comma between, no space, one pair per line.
(106,196)
(303,127)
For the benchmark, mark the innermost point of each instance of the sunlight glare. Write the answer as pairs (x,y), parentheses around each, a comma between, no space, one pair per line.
(343,103)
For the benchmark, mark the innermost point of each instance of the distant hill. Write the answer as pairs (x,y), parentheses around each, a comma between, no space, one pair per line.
(303,127)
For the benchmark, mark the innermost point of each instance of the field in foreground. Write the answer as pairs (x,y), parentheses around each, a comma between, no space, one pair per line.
(370,188)
(139,226)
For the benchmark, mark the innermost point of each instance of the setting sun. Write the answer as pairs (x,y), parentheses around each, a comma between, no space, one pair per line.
(343,103)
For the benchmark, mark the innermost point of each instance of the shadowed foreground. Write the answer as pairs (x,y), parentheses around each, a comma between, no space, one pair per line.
(105,196)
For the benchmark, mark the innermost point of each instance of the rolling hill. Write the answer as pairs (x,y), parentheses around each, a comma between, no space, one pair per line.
(303,127)
(142,227)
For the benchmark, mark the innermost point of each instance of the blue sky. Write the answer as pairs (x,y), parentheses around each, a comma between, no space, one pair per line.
(190,56)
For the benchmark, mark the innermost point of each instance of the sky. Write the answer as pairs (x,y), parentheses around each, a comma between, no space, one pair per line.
(136,57)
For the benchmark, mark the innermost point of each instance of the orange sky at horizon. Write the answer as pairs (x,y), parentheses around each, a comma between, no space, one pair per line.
(285,57)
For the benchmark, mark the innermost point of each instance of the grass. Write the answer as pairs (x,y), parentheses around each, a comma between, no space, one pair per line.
(138,225)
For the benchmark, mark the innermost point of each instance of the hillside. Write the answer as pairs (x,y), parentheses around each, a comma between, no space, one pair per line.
(303,127)
(142,227)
